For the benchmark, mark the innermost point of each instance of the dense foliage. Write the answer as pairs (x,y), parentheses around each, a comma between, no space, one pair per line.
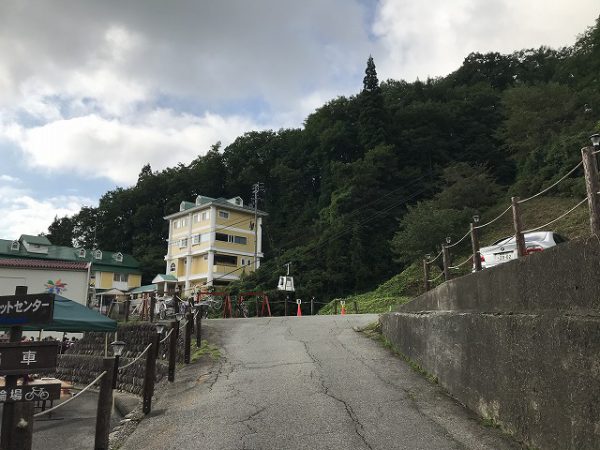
(339,191)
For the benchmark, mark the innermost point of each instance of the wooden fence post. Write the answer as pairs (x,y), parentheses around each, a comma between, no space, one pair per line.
(592,186)
(173,350)
(518,227)
(312,306)
(355,307)
(150,375)
(187,343)
(475,248)
(127,306)
(446,261)
(105,404)
(335,305)
(426,274)
(199,327)
(285,308)
(152,306)
(22,429)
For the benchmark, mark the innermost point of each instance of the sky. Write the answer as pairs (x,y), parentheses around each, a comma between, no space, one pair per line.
(92,90)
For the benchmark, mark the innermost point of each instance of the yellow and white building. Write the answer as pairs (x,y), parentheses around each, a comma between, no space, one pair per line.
(212,242)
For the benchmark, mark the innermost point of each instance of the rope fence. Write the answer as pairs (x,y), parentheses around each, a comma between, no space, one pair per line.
(559,217)
(460,240)
(592,180)
(552,185)
(72,398)
(136,358)
(458,266)
(167,336)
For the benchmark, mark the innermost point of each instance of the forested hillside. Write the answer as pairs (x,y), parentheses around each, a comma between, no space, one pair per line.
(373,181)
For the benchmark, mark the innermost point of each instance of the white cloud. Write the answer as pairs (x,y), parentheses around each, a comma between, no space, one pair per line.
(23,214)
(93,146)
(432,37)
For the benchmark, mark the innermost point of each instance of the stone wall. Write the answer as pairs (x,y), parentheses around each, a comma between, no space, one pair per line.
(518,344)
(82,363)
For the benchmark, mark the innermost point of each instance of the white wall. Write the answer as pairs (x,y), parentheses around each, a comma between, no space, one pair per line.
(36,280)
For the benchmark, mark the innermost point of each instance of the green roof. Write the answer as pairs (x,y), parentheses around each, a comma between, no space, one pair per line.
(163,277)
(186,205)
(39,240)
(107,262)
(142,289)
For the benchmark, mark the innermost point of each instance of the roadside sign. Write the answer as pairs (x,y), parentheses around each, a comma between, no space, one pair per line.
(20,358)
(26,309)
(30,392)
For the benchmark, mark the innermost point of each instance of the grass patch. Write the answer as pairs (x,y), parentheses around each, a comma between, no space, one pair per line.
(205,349)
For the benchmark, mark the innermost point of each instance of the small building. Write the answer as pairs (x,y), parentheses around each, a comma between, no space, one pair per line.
(213,241)
(104,270)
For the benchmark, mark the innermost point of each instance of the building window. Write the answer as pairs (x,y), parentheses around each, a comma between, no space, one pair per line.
(196,217)
(98,254)
(223,214)
(222,237)
(15,246)
(183,222)
(240,240)
(183,243)
(176,224)
(226,260)
(206,257)
(195,239)
(173,267)
(119,257)
(121,277)
(206,215)
(82,252)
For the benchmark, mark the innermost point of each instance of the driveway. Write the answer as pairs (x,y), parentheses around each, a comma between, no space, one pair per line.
(306,383)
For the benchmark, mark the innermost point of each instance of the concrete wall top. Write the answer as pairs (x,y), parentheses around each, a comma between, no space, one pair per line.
(564,279)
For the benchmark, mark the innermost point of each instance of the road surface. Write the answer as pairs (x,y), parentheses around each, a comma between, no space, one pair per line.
(306,383)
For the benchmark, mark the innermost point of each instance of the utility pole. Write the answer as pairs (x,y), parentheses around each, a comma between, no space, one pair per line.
(256,188)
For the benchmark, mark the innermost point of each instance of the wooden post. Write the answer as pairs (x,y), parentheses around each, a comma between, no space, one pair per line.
(518,227)
(22,438)
(592,186)
(173,350)
(446,261)
(426,274)
(335,304)
(199,327)
(152,306)
(187,342)
(475,248)
(127,306)
(355,307)
(150,374)
(8,412)
(312,306)
(105,404)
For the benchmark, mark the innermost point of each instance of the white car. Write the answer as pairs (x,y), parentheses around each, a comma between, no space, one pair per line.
(505,249)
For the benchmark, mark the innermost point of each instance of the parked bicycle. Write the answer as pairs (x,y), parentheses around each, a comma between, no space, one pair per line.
(210,305)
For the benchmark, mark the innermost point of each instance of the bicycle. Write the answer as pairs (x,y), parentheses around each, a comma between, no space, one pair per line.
(211,304)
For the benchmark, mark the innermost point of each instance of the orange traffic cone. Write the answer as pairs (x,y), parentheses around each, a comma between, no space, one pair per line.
(299,313)
(343,308)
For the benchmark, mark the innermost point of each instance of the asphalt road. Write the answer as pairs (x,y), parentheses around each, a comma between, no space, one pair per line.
(306,383)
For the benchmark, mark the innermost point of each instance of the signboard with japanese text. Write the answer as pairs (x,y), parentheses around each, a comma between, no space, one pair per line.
(30,392)
(20,358)
(26,309)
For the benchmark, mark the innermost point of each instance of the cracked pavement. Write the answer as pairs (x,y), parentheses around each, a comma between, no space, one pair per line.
(306,383)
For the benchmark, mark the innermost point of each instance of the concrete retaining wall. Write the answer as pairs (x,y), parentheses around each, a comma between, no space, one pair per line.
(519,344)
